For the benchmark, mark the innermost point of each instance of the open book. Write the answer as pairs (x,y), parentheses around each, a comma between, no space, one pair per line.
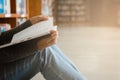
(37,30)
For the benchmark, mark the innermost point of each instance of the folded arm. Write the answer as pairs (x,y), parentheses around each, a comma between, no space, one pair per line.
(6,37)
(28,48)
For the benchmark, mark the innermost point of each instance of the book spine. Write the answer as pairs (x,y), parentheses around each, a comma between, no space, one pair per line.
(21,7)
(2,6)
(46,7)
(7,7)
(5,27)
(72,11)
(21,20)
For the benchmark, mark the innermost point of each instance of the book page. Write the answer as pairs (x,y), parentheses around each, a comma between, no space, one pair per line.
(34,31)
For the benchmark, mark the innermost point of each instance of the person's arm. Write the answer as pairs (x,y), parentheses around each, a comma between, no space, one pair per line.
(22,50)
(6,37)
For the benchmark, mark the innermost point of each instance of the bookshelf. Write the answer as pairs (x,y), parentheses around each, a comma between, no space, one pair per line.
(49,8)
(72,11)
(54,10)
(32,8)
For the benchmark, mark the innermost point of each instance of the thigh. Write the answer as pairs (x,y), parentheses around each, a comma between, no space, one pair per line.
(59,67)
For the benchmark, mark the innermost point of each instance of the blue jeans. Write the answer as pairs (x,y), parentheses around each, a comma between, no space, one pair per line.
(51,62)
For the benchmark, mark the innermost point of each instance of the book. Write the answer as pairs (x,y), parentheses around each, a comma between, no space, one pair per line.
(72,11)
(21,7)
(7,7)
(5,27)
(45,7)
(39,29)
(21,20)
(2,4)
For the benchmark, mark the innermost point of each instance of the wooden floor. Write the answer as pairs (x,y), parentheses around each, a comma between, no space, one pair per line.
(95,50)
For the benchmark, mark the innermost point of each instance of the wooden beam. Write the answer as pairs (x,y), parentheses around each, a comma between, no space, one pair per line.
(34,8)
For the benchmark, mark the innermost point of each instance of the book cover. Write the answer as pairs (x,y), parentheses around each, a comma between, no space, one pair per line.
(2,6)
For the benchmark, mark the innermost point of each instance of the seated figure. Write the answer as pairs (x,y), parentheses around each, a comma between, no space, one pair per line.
(24,60)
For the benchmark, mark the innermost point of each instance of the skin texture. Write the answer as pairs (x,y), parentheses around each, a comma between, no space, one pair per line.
(52,39)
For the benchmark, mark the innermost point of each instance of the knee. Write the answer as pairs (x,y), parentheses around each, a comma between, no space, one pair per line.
(49,52)
(80,77)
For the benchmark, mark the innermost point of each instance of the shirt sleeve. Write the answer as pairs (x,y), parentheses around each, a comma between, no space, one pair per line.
(20,50)
(6,37)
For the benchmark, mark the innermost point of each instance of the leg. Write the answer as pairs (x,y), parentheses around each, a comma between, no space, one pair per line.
(23,69)
(58,67)
(51,62)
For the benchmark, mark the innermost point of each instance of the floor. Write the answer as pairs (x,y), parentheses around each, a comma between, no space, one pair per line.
(94,50)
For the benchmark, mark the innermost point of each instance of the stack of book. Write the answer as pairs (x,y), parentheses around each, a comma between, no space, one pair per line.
(21,7)
(4,27)
(72,10)
(5,7)
(47,7)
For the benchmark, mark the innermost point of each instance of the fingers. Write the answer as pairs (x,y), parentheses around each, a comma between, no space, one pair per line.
(37,19)
(54,33)
(48,41)
(52,40)
(42,18)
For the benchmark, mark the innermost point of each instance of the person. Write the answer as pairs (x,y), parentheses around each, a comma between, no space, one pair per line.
(23,61)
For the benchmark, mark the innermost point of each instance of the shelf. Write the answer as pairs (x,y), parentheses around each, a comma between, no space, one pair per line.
(13,16)
(33,8)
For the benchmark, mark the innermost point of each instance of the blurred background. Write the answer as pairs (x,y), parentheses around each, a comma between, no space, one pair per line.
(90,36)
(89,31)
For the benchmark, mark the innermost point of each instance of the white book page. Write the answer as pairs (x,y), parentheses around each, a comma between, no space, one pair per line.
(34,31)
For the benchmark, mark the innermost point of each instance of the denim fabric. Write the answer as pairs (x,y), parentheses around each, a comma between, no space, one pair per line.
(51,62)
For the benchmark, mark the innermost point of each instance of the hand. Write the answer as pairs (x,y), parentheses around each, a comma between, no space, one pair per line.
(39,18)
(52,39)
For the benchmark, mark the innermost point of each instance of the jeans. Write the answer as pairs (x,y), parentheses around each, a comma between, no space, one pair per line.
(51,62)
